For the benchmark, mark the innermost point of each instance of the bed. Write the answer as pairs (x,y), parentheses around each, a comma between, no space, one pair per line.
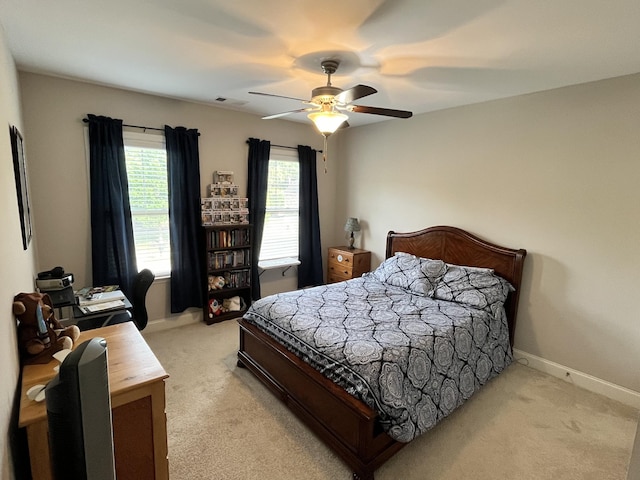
(355,407)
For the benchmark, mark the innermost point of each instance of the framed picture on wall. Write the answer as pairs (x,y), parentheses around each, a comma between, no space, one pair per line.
(20,171)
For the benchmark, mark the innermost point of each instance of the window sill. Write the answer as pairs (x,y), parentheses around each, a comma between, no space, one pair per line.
(284,263)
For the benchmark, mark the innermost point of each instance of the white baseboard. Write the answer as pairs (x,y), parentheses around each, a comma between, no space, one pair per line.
(186,318)
(580,379)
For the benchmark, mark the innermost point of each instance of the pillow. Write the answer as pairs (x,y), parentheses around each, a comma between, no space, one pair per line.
(472,269)
(479,288)
(418,275)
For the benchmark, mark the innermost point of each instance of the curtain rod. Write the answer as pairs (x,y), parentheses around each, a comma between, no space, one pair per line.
(144,128)
(286,146)
(86,120)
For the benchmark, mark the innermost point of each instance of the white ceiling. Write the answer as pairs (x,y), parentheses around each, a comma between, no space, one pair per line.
(421,55)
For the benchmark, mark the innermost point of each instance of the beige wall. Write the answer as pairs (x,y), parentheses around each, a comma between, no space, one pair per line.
(556,173)
(53,111)
(17,264)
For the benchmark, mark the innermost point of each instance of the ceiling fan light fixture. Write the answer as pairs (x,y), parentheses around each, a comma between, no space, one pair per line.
(327,122)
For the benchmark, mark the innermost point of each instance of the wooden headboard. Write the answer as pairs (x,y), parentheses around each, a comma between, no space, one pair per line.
(454,245)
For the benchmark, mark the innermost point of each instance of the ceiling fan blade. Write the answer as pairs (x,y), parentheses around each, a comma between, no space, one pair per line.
(278,96)
(354,93)
(387,112)
(278,115)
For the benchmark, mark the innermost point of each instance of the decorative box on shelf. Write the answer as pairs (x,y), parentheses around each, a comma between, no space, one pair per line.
(223,206)
(223,177)
(224,217)
(223,190)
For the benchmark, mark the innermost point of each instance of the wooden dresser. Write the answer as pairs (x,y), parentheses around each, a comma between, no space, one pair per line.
(136,381)
(345,263)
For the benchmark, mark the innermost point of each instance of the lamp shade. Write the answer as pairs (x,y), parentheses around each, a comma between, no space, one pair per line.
(352,225)
(327,122)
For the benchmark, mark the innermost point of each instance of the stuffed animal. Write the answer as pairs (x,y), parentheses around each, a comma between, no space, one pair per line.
(215,308)
(216,283)
(233,304)
(40,334)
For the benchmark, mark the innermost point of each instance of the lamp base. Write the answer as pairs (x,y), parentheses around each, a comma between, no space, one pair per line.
(351,247)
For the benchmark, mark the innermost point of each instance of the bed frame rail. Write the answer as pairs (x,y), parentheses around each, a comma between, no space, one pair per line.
(348,426)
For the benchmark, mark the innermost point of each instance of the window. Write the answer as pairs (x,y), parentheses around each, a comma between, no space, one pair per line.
(280,236)
(146,158)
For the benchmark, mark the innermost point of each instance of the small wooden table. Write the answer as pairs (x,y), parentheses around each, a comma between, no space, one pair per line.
(136,382)
(345,263)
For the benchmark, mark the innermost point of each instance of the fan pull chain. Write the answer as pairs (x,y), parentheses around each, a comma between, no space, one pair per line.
(324,154)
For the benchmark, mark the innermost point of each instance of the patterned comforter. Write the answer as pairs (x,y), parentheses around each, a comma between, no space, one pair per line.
(410,357)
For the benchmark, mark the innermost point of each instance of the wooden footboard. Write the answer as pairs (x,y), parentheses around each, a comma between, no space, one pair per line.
(347,425)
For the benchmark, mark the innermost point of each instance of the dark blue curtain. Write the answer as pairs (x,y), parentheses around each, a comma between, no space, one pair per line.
(113,252)
(186,235)
(310,269)
(258,175)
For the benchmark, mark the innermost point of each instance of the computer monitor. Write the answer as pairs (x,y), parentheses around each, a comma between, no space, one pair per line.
(79,415)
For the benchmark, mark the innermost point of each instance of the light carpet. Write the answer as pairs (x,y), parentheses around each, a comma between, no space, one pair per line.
(224,424)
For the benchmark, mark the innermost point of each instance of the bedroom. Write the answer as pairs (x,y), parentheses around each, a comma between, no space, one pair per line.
(554,172)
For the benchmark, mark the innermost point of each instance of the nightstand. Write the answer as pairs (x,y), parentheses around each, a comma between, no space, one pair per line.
(345,263)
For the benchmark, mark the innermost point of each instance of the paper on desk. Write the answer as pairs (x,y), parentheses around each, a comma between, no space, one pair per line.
(100,297)
(99,307)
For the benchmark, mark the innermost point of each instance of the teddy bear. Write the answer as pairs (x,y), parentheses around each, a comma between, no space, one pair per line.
(216,283)
(37,345)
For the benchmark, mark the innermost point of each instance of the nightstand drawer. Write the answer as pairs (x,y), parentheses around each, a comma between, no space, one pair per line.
(334,277)
(340,256)
(340,270)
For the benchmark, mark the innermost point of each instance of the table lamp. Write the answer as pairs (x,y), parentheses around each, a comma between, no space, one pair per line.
(351,226)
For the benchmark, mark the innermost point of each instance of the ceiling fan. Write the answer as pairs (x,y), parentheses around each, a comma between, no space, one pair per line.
(328,102)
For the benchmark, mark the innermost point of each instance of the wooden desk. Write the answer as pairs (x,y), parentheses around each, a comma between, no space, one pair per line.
(136,382)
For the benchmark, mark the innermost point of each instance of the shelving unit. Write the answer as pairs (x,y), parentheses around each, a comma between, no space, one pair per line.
(228,255)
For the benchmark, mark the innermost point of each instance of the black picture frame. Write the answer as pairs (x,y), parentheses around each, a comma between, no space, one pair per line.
(20,171)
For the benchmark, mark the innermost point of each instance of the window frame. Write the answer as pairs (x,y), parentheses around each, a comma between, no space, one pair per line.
(154,141)
(287,155)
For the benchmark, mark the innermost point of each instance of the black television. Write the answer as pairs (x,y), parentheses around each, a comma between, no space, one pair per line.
(79,415)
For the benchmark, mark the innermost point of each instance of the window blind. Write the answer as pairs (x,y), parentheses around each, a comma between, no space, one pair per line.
(280,236)
(146,159)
